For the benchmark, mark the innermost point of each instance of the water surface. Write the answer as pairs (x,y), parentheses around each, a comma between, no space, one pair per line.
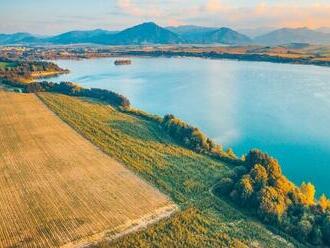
(283,109)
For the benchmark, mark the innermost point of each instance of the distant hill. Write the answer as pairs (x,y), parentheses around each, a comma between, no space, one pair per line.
(208,35)
(151,33)
(92,36)
(226,36)
(145,33)
(17,38)
(192,34)
(254,32)
(293,35)
(187,29)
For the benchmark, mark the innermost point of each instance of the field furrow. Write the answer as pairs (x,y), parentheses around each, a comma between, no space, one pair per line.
(56,188)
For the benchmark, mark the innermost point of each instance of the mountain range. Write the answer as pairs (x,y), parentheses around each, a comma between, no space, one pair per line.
(151,33)
(297,35)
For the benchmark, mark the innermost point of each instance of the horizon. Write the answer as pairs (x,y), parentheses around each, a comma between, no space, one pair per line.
(49,18)
(270,29)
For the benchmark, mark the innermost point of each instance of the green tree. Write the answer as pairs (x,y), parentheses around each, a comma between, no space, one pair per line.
(245,188)
(271,204)
(326,229)
(259,175)
(304,229)
(316,236)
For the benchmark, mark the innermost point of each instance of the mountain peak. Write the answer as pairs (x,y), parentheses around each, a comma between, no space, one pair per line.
(146,33)
(149,24)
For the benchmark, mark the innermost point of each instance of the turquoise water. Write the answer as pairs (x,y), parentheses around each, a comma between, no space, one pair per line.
(283,109)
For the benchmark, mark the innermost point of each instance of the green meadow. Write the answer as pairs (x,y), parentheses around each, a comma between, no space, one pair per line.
(204,220)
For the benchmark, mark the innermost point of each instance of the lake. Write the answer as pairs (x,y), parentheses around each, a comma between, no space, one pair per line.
(282,109)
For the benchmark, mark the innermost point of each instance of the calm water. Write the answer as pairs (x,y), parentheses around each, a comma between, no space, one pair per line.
(282,109)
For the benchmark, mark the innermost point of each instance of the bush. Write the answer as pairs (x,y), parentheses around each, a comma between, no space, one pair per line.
(260,186)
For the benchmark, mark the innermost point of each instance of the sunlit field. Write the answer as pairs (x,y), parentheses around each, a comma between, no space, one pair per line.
(187,177)
(56,188)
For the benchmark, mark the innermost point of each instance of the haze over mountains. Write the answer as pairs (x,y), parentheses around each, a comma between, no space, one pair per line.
(151,33)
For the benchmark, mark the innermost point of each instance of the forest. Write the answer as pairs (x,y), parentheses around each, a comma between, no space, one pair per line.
(16,69)
(71,89)
(192,138)
(259,185)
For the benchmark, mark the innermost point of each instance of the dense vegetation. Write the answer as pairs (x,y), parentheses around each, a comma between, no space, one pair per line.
(260,186)
(15,73)
(145,146)
(71,89)
(18,70)
(192,138)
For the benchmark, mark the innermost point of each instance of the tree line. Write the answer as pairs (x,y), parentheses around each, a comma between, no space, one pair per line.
(259,185)
(71,89)
(192,138)
(24,69)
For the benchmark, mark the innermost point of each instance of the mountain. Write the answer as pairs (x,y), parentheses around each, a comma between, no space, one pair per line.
(190,33)
(208,35)
(254,32)
(151,33)
(17,38)
(226,36)
(145,33)
(187,29)
(293,35)
(90,36)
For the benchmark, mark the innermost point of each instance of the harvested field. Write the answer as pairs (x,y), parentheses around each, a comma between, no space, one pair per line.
(58,189)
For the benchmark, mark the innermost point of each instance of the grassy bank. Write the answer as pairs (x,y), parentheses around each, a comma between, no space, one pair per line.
(187,177)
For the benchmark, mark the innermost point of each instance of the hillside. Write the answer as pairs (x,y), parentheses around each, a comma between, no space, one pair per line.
(226,36)
(186,176)
(57,189)
(18,38)
(151,33)
(92,36)
(145,33)
(293,35)
(208,35)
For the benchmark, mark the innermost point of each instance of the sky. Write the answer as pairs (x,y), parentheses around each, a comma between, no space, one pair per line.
(47,17)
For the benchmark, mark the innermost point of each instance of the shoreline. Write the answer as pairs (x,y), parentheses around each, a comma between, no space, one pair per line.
(229,56)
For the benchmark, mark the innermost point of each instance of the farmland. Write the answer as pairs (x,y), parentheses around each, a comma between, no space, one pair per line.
(187,177)
(57,189)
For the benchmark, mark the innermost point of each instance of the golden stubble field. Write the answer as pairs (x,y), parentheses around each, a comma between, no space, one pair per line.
(57,189)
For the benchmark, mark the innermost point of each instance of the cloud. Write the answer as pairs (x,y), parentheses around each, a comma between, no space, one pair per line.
(129,7)
(214,6)
(119,14)
(223,13)
(278,14)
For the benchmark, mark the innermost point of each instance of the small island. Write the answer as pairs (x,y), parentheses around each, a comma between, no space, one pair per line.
(123,62)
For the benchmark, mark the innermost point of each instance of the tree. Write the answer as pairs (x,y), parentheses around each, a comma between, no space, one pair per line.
(225,186)
(324,203)
(304,228)
(231,153)
(274,171)
(239,171)
(259,175)
(245,188)
(308,190)
(284,185)
(271,204)
(316,236)
(326,229)
(256,157)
